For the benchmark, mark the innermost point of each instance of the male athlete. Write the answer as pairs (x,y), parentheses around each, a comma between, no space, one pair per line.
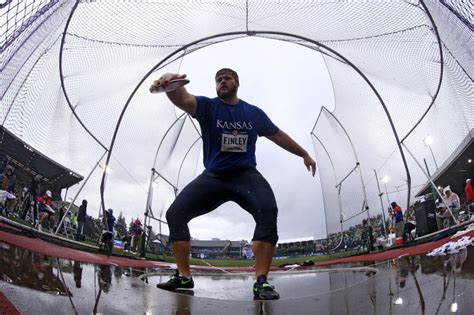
(229,128)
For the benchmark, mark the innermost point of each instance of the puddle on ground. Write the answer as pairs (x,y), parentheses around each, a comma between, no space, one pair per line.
(35,283)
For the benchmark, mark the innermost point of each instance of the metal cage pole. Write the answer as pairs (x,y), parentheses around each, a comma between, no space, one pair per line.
(183,51)
(79,191)
(381,203)
(338,197)
(356,158)
(432,183)
(147,220)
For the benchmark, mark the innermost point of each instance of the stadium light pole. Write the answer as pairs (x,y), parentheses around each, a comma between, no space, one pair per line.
(381,203)
(385,180)
(428,141)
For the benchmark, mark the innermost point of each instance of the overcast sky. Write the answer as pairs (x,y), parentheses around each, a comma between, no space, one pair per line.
(285,80)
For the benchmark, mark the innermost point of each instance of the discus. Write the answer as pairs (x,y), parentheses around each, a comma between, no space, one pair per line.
(172,85)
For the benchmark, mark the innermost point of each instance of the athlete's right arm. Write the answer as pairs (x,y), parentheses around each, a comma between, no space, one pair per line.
(179,97)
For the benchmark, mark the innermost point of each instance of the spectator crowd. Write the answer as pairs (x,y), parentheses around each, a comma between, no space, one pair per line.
(30,202)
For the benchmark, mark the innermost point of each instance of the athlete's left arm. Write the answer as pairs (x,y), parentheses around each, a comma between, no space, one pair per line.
(284,140)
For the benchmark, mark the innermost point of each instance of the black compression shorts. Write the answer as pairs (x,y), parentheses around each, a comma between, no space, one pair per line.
(247,188)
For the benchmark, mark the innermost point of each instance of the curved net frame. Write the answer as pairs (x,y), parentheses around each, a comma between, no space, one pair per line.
(75,79)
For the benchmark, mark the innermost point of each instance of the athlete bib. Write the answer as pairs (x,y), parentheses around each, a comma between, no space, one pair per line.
(234,142)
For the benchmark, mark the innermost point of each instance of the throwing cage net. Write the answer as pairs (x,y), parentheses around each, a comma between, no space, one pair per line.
(75,78)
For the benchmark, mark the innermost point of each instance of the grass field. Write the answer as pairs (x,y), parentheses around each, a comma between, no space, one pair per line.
(251,262)
(226,262)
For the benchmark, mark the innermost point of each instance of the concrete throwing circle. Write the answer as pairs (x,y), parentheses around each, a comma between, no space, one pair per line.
(291,284)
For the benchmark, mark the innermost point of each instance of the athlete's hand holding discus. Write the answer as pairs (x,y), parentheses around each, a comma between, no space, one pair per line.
(168,82)
(173,84)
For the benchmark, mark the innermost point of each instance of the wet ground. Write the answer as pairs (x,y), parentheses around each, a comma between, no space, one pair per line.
(37,284)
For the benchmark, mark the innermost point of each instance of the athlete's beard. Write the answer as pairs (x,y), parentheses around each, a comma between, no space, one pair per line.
(227,94)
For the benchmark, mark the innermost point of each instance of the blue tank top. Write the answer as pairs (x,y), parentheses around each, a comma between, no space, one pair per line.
(229,133)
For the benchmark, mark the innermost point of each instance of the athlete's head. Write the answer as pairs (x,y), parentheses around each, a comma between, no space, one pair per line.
(227,83)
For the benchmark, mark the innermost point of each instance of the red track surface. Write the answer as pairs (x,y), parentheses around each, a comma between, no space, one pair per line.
(395,253)
(50,249)
(7,308)
(54,250)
